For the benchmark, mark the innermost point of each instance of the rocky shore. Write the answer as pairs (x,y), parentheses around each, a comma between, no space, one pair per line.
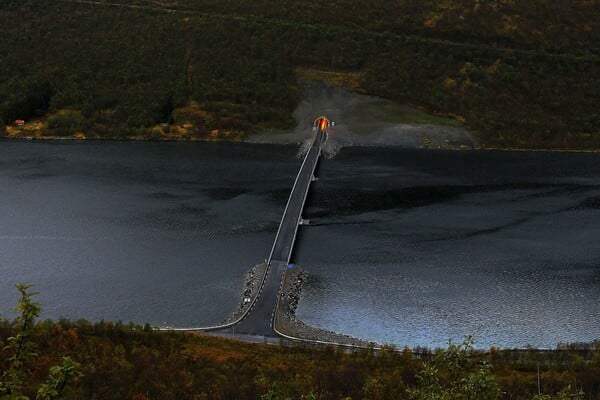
(251,285)
(287,323)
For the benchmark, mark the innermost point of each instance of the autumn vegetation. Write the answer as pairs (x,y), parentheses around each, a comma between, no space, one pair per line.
(520,74)
(106,360)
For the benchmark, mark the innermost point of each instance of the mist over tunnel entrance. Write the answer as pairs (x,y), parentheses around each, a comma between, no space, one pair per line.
(362,120)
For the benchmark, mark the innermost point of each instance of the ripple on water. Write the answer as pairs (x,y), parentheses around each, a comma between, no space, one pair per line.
(409,247)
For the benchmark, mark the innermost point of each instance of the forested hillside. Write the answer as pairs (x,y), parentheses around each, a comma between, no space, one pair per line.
(519,73)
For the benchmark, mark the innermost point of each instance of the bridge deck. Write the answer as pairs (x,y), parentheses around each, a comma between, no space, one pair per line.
(286,235)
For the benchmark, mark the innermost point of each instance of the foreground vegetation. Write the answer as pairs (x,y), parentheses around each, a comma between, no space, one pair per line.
(520,73)
(114,361)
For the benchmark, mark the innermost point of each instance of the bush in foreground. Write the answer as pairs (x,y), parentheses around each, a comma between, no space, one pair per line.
(119,361)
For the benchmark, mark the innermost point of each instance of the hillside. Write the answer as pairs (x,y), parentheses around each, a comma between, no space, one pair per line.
(518,74)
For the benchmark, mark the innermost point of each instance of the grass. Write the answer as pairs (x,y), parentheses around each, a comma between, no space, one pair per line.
(349,80)
(404,114)
(387,111)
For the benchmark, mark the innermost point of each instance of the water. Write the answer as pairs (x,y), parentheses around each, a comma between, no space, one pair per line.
(410,247)
(138,232)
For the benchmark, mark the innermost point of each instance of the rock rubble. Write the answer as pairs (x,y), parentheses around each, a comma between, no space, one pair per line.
(251,285)
(286,320)
(288,324)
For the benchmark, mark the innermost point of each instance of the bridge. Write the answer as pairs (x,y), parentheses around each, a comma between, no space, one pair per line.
(257,321)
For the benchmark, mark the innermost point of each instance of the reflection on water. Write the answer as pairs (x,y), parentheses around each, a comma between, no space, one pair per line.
(430,246)
(159,233)
(408,246)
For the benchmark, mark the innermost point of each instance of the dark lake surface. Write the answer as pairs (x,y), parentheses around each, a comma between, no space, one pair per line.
(411,247)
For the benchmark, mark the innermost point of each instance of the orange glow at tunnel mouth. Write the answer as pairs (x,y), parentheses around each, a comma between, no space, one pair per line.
(323,123)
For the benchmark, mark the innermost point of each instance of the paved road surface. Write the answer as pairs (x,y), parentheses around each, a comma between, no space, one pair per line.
(259,320)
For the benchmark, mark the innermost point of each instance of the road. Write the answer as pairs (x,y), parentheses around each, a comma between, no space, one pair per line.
(286,235)
(258,321)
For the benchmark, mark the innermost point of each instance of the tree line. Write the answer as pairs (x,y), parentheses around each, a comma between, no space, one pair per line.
(514,78)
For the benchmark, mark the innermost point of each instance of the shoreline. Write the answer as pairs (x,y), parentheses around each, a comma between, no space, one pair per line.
(15,138)
(361,121)
(294,330)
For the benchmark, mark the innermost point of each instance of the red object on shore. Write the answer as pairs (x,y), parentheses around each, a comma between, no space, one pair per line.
(19,122)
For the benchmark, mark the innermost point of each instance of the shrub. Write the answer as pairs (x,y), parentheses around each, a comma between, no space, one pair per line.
(67,122)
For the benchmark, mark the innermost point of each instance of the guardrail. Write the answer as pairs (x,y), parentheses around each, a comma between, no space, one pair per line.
(229,324)
(268,269)
(290,198)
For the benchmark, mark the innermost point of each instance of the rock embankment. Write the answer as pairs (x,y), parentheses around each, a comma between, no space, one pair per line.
(287,323)
(251,285)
